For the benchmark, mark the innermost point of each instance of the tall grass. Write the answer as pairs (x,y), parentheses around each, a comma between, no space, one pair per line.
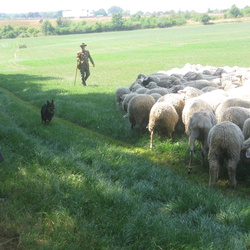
(86,181)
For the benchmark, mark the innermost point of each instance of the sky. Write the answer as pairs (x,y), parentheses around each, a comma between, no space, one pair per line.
(25,6)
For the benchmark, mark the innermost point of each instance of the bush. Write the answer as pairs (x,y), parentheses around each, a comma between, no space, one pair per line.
(205,18)
(47,28)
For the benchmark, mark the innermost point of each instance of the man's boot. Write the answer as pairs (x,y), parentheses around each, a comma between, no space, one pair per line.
(83,82)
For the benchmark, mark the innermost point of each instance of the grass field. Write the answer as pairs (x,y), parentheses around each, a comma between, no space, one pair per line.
(86,181)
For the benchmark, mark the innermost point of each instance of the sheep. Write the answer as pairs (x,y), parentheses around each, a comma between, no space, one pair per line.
(236,115)
(190,92)
(163,118)
(192,105)
(199,84)
(120,91)
(169,82)
(246,146)
(138,110)
(176,88)
(156,96)
(209,89)
(161,91)
(141,77)
(246,128)
(126,100)
(151,85)
(230,102)
(215,97)
(246,133)
(191,76)
(199,126)
(135,86)
(225,142)
(177,100)
(141,90)
(219,71)
(240,92)
(150,78)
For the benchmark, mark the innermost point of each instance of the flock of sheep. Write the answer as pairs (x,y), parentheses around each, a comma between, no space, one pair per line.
(211,104)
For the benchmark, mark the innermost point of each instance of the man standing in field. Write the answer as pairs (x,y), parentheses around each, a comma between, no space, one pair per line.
(83,57)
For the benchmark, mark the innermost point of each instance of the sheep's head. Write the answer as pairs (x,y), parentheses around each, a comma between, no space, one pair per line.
(246,146)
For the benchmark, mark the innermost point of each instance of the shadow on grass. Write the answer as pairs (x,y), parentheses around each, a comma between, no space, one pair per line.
(95,111)
(61,185)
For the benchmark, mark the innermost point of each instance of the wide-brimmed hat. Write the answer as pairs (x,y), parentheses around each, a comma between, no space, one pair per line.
(83,44)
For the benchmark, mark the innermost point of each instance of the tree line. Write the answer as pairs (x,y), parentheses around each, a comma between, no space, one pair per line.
(119,22)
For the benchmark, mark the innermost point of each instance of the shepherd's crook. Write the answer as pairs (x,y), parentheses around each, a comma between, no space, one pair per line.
(75,75)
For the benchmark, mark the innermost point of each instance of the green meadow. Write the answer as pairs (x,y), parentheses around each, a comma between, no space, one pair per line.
(86,180)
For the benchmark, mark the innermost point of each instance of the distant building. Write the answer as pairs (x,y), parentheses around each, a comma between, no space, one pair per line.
(77,13)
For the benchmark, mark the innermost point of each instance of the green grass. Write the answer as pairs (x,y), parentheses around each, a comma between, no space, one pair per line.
(86,181)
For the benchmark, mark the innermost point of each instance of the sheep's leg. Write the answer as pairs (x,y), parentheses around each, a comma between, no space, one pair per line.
(132,121)
(213,172)
(232,173)
(203,153)
(191,154)
(151,139)
(190,168)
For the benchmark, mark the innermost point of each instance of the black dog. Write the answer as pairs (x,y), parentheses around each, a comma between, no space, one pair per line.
(47,112)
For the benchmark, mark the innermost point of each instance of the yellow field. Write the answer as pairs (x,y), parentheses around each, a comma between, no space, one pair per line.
(36,23)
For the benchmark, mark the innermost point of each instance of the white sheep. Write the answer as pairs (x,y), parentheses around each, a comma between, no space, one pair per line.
(230,102)
(240,92)
(120,91)
(214,98)
(177,100)
(192,105)
(138,110)
(225,142)
(190,92)
(162,118)
(199,126)
(236,115)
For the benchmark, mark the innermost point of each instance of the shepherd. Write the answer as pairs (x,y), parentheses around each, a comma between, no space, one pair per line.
(83,57)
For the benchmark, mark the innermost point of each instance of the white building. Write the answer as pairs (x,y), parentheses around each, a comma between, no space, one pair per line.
(77,13)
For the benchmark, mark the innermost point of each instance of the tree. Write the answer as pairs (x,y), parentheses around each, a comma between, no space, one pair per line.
(205,18)
(100,12)
(235,11)
(63,23)
(117,21)
(135,17)
(9,32)
(47,28)
(246,11)
(114,10)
